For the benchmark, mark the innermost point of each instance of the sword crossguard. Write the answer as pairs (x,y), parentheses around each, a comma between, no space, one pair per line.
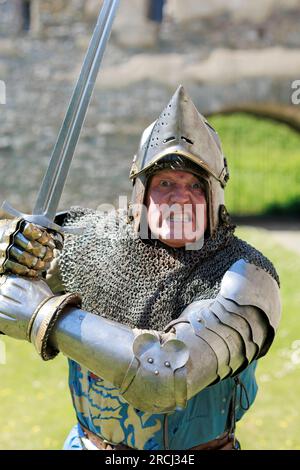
(40,220)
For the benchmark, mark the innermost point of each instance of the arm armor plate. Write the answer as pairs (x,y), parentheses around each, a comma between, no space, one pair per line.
(213,339)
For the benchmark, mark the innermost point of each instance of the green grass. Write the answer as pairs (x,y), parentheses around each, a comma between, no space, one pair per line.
(274,420)
(264,164)
(35,408)
(36,411)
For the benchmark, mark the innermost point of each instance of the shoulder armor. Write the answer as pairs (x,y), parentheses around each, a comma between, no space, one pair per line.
(247,284)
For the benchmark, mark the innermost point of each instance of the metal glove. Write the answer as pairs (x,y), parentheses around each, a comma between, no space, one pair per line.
(20,298)
(25,248)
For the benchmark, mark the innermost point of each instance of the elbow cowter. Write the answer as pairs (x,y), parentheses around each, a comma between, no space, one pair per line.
(211,340)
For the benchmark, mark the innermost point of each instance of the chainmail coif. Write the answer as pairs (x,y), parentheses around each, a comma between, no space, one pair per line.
(144,284)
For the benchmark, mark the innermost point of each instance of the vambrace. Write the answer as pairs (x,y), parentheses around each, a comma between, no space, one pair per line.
(213,339)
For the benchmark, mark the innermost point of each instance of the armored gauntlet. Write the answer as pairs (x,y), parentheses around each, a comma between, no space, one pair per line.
(29,310)
(26,249)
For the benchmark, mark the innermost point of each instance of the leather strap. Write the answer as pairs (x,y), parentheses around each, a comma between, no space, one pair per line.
(100,443)
(223,442)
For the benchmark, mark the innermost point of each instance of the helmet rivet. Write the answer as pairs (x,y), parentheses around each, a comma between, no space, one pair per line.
(150,360)
(167,364)
(156,372)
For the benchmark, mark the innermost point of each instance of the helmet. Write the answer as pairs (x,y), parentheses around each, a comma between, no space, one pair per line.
(181,131)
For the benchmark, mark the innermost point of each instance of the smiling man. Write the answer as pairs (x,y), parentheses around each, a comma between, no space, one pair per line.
(175,310)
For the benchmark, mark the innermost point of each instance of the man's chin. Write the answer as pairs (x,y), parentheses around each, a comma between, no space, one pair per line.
(174,242)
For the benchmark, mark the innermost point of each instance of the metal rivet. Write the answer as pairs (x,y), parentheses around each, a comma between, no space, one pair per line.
(167,364)
(156,372)
(150,360)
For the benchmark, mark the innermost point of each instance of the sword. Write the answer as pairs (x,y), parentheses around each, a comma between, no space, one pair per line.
(56,174)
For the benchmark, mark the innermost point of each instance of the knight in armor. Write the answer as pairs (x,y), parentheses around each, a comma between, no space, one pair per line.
(161,310)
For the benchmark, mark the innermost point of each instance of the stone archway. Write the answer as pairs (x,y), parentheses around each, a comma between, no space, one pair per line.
(289,115)
(263,159)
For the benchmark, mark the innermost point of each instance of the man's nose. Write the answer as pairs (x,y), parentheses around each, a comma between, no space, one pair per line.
(180,194)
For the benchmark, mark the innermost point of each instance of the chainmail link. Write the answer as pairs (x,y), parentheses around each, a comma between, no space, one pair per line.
(144,284)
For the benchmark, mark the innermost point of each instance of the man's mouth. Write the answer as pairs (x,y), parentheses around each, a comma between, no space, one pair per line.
(182,218)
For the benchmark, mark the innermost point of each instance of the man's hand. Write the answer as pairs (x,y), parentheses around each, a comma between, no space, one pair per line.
(25,248)
(20,298)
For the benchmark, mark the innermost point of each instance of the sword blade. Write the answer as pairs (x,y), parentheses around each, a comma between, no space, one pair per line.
(54,180)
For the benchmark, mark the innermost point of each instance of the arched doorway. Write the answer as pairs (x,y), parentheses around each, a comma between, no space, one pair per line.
(264,162)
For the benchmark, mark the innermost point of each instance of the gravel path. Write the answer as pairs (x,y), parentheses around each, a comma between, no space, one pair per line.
(288,239)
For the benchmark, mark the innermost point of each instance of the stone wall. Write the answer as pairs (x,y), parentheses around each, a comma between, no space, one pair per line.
(227,62)
(10,20)
(43,13)
(231,23)
(254,11)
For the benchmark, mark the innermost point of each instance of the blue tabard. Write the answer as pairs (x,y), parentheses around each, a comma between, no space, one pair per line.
(100,408)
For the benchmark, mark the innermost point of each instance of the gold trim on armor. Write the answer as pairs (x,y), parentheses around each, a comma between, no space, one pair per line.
(47,314)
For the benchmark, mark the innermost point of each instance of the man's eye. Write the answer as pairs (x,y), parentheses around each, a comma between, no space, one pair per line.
(197,186)
(164,183)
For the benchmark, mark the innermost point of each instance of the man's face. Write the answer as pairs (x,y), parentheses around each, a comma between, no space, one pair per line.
(176,207)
